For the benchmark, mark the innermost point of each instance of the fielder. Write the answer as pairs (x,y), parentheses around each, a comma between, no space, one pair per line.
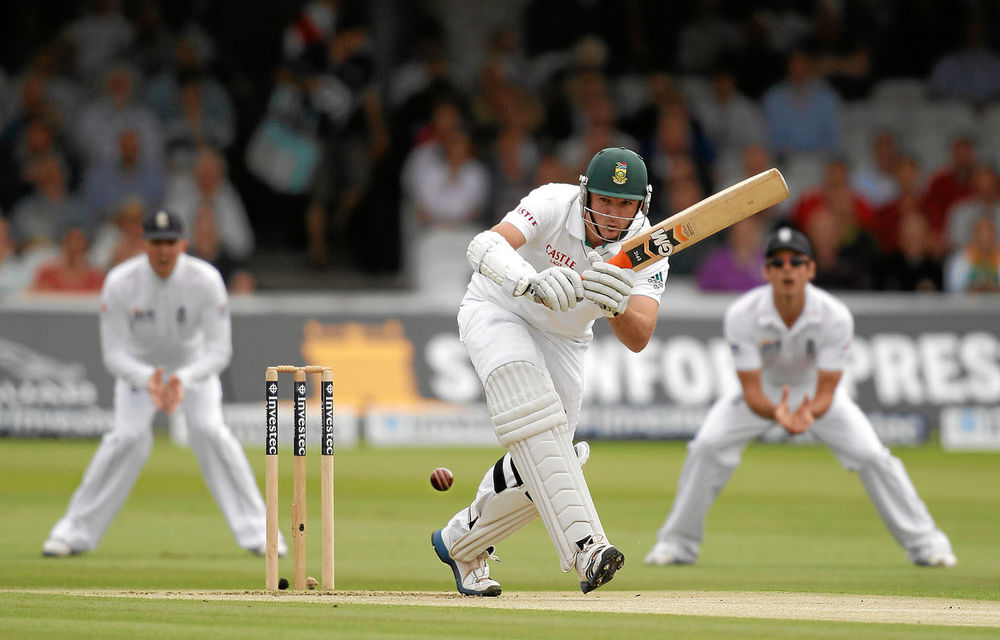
(526,321)
(789,340)
(165,336)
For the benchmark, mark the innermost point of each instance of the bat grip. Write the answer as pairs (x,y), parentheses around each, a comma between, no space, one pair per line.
(620,260)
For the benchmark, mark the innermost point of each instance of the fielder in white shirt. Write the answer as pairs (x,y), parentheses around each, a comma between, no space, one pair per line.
(165,336)
(789,341)
(539,283)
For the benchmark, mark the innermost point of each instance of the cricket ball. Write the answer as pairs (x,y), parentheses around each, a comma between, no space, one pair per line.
(441,478)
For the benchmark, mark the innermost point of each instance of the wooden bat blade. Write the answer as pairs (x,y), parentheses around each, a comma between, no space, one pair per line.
(701,220)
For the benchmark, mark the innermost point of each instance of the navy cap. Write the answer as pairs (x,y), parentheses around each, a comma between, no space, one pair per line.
(162,225)
(787,239)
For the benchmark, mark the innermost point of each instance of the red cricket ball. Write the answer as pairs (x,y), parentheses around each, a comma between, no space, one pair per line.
(441,478)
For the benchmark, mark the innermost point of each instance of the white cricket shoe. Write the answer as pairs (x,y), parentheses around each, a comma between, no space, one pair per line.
(664,553)
(597,563)
(56,549)
(937,559)
(471,578)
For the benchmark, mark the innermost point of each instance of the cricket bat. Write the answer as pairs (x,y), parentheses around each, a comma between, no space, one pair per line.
(699,221)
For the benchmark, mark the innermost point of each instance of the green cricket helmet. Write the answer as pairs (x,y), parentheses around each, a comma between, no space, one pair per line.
(616,172)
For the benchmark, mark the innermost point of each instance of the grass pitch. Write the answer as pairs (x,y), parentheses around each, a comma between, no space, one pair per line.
(790,520)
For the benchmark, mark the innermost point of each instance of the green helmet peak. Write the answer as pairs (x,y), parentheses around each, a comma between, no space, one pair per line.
(617,172)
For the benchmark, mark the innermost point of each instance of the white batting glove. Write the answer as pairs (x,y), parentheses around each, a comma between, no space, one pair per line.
(558,288)
(607,286)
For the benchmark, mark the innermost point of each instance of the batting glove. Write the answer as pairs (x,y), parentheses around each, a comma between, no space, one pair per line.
(607,286)
(558,288)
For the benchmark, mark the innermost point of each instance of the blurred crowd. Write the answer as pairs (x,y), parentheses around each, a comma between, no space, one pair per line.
(379,136)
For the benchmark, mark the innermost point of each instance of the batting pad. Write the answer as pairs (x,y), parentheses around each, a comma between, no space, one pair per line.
(504,514)
(529,420)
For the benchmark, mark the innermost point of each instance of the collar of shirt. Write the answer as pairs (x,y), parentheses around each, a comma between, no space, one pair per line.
(811,312)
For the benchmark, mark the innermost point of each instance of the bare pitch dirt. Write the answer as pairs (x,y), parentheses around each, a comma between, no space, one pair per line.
(736,604)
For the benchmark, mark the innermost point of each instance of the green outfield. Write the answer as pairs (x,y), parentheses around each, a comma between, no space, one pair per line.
(791,520)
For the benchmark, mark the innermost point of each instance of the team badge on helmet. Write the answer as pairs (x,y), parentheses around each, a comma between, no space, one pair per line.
(621,173)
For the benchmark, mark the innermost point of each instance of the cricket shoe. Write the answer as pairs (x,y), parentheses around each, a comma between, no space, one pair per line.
(471,578)
(57,549)
(937,559)
(663,554)
(596,564)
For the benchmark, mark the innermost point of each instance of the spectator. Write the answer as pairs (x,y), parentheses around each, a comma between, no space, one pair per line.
(99,37)
(835,186)
(975,268)
(802,112)
(71,272)
(597,131)
(738,265)
(971,73)
(912,266)
(121,238)
(702,40)
(909,188)
(208,183)
(678,149)
(447,188)
(312,26)
(352,126)
(22,143)
(877,181)
(682,192)
(38,217)
(731,120)
(194,108)
(206,244)
(514,156)
(983,203)
(951,183)
(106,185)
(845,254)
(16,271)
(104,118)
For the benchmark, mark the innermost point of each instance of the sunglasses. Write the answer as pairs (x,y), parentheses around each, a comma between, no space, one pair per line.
(779,262)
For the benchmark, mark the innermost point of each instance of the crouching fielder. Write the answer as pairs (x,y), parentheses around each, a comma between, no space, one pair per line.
(789,340)
(526,321)
(165,336)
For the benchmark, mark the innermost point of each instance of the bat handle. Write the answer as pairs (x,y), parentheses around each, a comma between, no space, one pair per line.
(620,260)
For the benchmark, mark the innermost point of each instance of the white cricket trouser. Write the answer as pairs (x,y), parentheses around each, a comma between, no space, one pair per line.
(124,450)
(715,453)
(493,337)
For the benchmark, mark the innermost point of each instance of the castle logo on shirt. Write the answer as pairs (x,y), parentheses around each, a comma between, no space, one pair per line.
(559,258)
(143,315)
(527,215)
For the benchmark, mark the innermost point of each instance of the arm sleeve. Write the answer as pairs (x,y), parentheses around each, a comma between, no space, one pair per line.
(746,354)
(530,215)
(115,330)
(832,352)
(217,335)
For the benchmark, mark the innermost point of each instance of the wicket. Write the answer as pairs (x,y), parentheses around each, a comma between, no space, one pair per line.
(299,473)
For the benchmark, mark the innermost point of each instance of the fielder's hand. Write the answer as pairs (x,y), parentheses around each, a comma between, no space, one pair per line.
(607,286)
(155,387)
(173,393)
(558,288)
(797,421)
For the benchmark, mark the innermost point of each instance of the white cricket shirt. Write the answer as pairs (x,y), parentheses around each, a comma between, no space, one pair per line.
(550,217)
(759,339)
(181,323)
